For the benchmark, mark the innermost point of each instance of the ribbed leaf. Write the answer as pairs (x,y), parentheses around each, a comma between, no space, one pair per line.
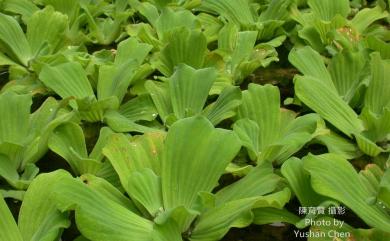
(168,23)
(346,70)
(378,92)
(377,44)
(104,188)
(225,106)
(46,31)
(139,108)
(131,156)
(216,222)
(159,91)
(185,47)
(272,215)
(326,102)
(339,145)
(120,123)
(13,39)
(310,63)
(115,79)
(23,7)
(68,141)
(169,231)
(262,105)
(68,7)
(189,89)
(8,169)
(326,10)
(39,218)
(14,125)
(260,181)
(237,11)
(8,228)
(328,180)
(299,181)
(384,188)
(194,148)
(365,17)
(69,79)
(145,187)
(131,49)
(99,218)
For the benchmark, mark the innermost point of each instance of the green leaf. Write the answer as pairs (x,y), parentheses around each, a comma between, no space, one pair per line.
(139,108)
(170,22)
(185,47)
(39,218)
(67,80)
(23,7)
(159,92)
(346,70)
(377,44)
(12,39)
(378,127)
(262,105)
(115,79)
(214,223)
(193,147)
(225,106)
(328,181)
(384,188)
(365,17)
(68,7)
(327,10)
(310,63)
(46,31)
(258,182)
(339,145)
(237,11)
(299,181)
(14,125)
(189,89)
(145,187)
(377,97)
(8,228)
(326,102)
(104,188)
(99,218)
(68,141)
(273,215)
(128,156)
(120,123)
(131,48)
(169,231)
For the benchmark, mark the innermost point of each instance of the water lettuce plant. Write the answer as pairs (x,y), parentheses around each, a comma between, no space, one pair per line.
(194,120)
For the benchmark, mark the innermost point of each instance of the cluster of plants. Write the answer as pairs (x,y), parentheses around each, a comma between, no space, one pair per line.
(171,120)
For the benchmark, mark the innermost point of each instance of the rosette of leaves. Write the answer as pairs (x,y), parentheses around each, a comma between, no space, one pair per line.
(267,19)
(45,35)
(38,219)
(185,94)
(99,22)
(328,26)
(70,80)
(168,199)
(334,91)
(315,182)
(268,132)
(180,37)
(24,136)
